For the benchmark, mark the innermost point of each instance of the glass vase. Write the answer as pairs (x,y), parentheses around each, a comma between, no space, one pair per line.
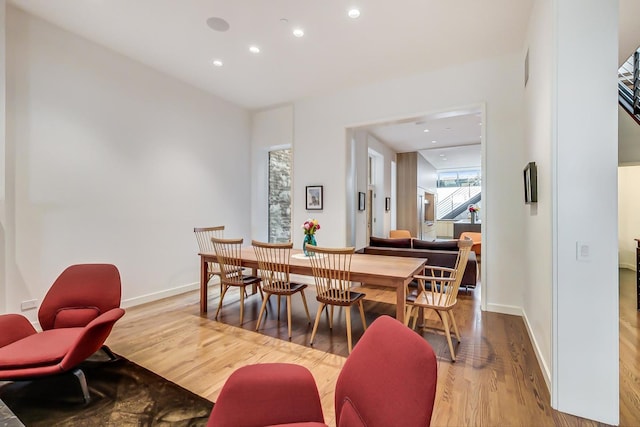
(310,239)
(473,217)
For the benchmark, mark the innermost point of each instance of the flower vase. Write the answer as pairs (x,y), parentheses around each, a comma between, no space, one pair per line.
(310,239)
(473,217)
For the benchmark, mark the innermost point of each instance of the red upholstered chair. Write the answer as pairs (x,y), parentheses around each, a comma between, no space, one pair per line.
(388,380)
(76,316)
(277,393)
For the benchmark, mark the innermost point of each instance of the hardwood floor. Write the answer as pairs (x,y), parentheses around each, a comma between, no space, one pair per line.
(495,381)
(629,351)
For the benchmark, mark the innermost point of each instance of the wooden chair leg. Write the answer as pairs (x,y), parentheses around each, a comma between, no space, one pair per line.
(331,317)
(306,308)
(262,310)
(348,316)
(315,325)
(242,305)
(455,326)
(445,322)
(222,294)
(278,307)
(415,313)
(364,321)
(289,315)
(407,314)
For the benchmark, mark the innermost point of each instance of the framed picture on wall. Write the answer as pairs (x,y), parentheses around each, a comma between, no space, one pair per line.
(387,204)
(314,199)
(530,183)
(361,201)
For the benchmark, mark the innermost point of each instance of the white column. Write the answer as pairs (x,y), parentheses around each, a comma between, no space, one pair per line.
(584,185)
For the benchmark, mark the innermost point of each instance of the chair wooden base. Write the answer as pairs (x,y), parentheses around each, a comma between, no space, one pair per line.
(445,316)
(295,289)
(250,281)
(348,319)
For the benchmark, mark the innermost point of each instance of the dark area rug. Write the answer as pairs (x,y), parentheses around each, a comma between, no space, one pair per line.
(122,394)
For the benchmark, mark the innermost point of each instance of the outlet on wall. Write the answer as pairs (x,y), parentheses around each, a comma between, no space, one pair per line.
(29,304)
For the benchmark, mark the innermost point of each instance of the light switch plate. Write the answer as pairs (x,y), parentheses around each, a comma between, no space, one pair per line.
(583,251)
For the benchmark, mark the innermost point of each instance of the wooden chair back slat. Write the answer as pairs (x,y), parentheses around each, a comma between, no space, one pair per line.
(228,253)
(332,272)
(203,237)
(273,263)
(445,292)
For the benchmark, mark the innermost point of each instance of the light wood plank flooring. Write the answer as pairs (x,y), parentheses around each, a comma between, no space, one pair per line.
(495,381)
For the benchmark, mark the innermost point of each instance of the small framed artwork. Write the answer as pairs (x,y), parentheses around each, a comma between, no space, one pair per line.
(530,183)
(387,204)
(361,201)
(314,197)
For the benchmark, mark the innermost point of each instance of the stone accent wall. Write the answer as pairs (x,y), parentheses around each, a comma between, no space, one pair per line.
(280,195)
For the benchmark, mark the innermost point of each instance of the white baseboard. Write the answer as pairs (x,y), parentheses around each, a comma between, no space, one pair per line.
(143,299)
(628,266)
(546,372)
(505,309)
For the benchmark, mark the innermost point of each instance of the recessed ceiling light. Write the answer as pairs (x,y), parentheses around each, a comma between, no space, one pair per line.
(217,63)
(217,24)
(426,130)
(353,13)
(434,141)
(254,49)
(298,32)
(441,155)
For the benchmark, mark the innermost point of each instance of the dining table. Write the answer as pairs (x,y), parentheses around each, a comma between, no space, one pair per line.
(378,270)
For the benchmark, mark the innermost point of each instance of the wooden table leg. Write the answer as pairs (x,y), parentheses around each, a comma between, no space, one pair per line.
(204,273)
(401,298)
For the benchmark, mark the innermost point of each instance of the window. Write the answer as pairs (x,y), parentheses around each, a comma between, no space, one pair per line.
(280,195)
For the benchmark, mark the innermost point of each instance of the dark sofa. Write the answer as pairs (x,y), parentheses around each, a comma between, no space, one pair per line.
(440,253)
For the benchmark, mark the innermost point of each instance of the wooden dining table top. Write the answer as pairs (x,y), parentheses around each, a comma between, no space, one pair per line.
(381,270)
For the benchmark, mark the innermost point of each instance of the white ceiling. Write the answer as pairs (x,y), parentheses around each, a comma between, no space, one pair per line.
(452,141)
(391,38)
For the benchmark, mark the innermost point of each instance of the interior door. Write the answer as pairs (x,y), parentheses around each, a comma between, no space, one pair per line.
(369,206)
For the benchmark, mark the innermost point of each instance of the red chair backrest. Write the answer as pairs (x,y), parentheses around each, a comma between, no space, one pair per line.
(388,380)
(80,294)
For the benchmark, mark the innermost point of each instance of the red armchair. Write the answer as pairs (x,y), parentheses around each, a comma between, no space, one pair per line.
(389,379)
(76,316)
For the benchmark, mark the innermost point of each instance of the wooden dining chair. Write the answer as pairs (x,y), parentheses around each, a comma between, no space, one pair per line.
(228,252)
(442,293)
(274,265)
(331,271)
(203,236)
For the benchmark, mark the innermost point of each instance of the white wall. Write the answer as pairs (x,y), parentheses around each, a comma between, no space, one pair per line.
(383,184)
(111,161)
(3,165)
(537,240)
(359,163)
(585,148)
(321,144)
(270,129)
(628,208)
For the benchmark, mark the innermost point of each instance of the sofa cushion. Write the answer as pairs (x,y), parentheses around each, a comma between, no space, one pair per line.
(442,245)
(389,243)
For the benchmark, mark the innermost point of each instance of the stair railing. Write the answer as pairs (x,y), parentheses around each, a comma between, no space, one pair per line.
(629,85)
